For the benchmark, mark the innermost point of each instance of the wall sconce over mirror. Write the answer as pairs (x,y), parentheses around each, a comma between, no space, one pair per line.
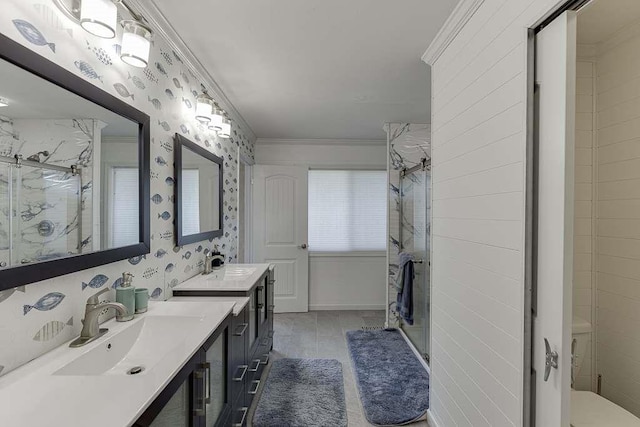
(211,115)
(100,18)
(74,172)
(198,192)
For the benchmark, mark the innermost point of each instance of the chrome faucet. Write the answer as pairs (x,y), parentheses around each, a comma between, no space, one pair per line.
(91,330)
(208,263)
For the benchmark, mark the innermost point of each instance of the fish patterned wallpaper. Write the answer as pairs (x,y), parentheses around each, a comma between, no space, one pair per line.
(36,318)
(408,144)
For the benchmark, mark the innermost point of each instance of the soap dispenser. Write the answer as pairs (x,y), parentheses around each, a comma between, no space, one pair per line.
(125,295)
(217,260)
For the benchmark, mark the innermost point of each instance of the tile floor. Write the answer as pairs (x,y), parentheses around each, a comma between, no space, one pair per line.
(321,334)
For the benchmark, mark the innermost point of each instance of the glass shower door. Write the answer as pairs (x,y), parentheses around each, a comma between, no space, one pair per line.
(416,240)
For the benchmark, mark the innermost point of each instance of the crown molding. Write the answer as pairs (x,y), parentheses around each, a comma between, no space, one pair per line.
(344,142)
(452,26)
(161,26)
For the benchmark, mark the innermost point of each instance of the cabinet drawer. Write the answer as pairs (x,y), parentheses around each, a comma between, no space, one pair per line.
(239,414)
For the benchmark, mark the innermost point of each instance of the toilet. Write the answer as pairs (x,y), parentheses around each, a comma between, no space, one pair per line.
(589,409)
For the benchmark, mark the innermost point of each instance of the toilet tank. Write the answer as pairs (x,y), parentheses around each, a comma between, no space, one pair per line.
(581,333)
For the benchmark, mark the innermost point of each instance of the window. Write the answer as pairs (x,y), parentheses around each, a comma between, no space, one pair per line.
(347,210)
(190,201)
(124,224)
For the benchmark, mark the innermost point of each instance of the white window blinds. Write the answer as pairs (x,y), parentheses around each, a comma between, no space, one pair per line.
(124,223)
(347,210)
(190,201)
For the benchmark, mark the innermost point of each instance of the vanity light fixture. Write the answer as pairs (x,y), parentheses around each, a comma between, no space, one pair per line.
(99,17)
(225,131)
(4,102)
(204,107)
(136,43)
(216,119)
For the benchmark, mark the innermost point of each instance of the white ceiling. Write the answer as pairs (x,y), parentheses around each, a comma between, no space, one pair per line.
(305,69)
(32,97)
(600,19)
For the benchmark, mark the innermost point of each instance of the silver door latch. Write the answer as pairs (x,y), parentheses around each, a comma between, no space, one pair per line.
(551,360)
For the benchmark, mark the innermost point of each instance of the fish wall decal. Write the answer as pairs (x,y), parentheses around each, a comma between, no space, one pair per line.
(157,199)
(164,215)
(46,303)
(156,293)
(51,329)
(136,259)
(136,81)
(32,34)
(164,125)
(96,282)
(87,70)
(123,91)
(160,253)
(155,102)
(169,268)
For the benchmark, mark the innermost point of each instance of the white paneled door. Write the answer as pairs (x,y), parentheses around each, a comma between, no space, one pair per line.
(280,231)
(555,77)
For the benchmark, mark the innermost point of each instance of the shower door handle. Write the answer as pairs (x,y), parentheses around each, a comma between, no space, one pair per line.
(551,360)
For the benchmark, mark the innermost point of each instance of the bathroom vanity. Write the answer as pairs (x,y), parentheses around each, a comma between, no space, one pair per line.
(250,286)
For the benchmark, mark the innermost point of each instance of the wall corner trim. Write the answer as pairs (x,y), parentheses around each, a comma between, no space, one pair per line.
(162,26)
(452,26)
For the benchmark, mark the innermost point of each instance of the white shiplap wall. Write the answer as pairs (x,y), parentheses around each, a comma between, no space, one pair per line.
(583,236)
(618,208)
(479,147)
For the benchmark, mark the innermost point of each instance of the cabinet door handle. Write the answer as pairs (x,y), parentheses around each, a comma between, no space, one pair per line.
(242,326)
(201,412)
(255,368)
(244,415)
(255,389)
(244,372)
(207,380)
(266,359)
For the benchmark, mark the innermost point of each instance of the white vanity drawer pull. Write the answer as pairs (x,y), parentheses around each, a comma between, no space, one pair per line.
(244,372)
(244,328)
(266,359)
(255,389)
(244,415)
(255,369)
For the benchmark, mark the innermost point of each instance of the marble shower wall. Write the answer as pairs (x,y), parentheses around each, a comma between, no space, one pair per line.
(407,144)
(46,223)
(36,318)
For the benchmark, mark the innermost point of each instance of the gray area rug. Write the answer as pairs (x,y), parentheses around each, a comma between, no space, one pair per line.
(303,393)
(393,384)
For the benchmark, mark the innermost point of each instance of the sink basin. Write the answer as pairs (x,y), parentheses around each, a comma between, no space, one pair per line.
(138,347)
(232,273)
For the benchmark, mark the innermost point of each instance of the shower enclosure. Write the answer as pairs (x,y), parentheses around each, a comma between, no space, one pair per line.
(40,211)
(414,238)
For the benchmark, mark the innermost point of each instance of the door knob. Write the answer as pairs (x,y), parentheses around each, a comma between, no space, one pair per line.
(551,360)
(303,246)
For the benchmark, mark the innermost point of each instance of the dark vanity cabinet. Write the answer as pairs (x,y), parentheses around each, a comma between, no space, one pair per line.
(251,338)
(200,395)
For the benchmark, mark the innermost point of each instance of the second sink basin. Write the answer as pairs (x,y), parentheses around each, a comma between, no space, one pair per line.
(231,272)
(135,349)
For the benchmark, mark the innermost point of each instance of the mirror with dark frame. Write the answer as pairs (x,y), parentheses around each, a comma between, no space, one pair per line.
(198,192)
(74,171)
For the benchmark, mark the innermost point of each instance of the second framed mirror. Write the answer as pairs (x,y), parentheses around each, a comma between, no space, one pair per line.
(198,175)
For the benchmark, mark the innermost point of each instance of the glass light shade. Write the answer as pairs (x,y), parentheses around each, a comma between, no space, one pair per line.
(225,131)
(204,108)
(136,44)
(99,17)
(216,120)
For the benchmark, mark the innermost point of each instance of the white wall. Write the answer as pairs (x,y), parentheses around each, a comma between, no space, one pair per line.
(339,282)
(478,163)
(618,217)
(583,236)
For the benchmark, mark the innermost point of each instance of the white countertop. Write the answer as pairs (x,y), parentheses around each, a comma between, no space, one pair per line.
(33,395)
(239,302)
(231,277)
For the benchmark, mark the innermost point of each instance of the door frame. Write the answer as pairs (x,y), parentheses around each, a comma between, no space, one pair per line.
(531,205)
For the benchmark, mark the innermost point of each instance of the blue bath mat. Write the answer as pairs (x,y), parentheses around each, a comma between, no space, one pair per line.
(393,384)
(303,393)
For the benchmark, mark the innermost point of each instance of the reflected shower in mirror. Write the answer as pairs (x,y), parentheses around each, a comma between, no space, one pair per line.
(69,173)
(198,192)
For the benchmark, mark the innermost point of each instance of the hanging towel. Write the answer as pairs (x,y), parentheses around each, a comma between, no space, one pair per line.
(403,259)
(404,302)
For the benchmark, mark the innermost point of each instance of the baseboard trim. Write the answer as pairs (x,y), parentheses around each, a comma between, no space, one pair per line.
(326,307)
(431,419)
